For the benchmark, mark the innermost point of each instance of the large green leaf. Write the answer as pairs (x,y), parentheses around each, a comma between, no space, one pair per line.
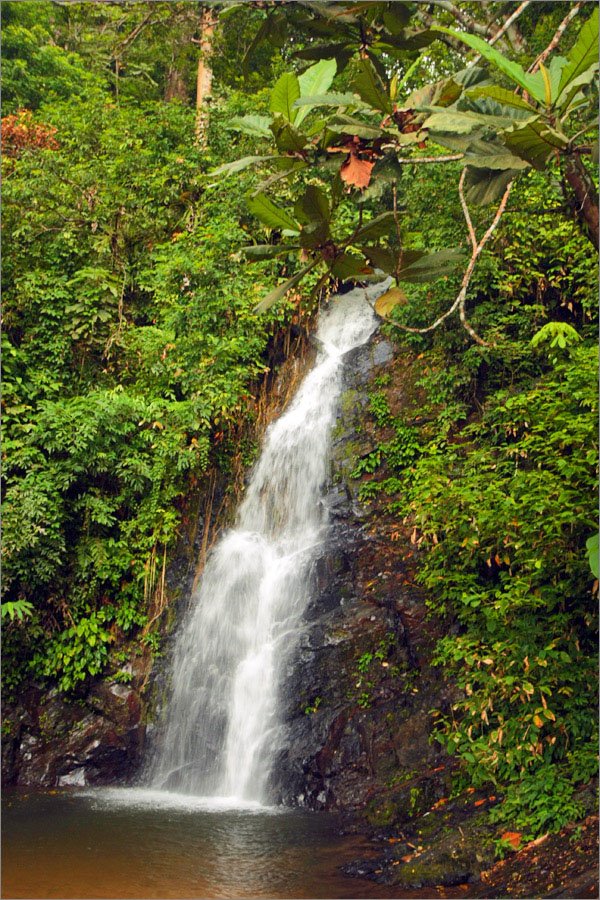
(484,186)
(239,164)
(370,87)
(396,17)
(348,125)
(492,155)
(418,266)
(455,121)
(548,79)
(287,137)
(314,235)
(502,96)
(573,91)
(282,289)
(267,251)
(330,100)
(283,96)
(512,70)
(326,51)
(534,141)
(382,258)
(257,126)
(317,79)
(583,54)
(313,206)
(265,210)
(349,266)
(376,228)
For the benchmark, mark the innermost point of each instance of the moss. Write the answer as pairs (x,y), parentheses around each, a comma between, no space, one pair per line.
(381,812)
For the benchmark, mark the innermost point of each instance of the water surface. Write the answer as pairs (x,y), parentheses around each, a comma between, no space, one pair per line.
(128,843)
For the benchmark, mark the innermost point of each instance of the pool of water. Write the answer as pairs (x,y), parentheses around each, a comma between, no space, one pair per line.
(134,843)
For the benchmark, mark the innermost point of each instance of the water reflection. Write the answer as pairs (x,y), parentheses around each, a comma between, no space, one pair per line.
(109,844)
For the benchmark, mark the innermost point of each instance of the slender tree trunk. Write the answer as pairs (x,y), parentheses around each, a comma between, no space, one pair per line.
(586,196)
(204,77)
(175,88)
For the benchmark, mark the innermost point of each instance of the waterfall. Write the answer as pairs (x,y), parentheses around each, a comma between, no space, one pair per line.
(222,730)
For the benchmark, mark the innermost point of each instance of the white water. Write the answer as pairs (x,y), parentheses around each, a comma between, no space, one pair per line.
(222,730)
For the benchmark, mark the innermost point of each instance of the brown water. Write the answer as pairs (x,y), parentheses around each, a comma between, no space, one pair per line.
(113,843)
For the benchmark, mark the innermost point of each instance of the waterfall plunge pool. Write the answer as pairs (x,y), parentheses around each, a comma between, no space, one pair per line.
(114,842)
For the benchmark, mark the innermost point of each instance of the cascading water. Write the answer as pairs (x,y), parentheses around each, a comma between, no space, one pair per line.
(222,730)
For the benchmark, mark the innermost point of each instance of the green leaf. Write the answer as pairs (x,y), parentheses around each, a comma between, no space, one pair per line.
(592,549)
(501,95)
(418,266)
(16,609)
(396,17)
(376,228)
(313,206)
(238,164)
(282,289)
(371,88)
(398,45)
(534,141)
(382,258)
(349,266)
(283,96)
(267,251)
(257,126)
(512,70)
(326,51)
(385,172)
(314,235)
(347,125)
(287,137)
(457,122)
(314,81)
(583,55)
(486,185)
(265,210)
(492,155)
(330,100)
(573,91)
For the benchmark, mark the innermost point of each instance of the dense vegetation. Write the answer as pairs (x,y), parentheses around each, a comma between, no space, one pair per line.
(132,339)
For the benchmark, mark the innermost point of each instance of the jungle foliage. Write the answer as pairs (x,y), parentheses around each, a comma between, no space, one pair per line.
(145,276)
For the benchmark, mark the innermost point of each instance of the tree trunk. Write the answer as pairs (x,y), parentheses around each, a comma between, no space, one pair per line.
(204,77)
(586,196)
(175,88)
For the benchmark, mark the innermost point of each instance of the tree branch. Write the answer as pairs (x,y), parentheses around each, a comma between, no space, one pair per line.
(460,301)
(509,22)
(559,33)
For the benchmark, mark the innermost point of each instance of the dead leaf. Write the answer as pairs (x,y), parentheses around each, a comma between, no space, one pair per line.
(513,838)
(356,172)
(385,304)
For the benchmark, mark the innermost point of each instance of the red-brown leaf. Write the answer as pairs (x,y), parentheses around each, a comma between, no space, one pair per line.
(356,172)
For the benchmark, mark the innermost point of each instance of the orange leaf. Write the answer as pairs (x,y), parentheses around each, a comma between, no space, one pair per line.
(356,171)
(512,837)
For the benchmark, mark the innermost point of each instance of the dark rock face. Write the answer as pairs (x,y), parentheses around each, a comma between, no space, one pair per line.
(359,690)
(55,741)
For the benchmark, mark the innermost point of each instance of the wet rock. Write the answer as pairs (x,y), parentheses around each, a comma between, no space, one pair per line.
(57,741)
